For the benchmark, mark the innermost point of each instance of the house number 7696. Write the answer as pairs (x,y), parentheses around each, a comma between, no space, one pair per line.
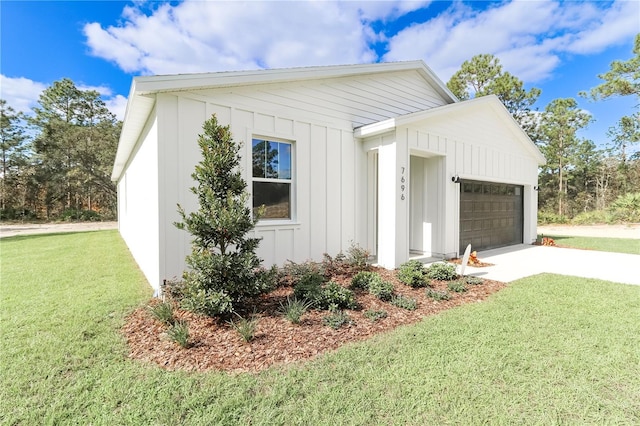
(402,181)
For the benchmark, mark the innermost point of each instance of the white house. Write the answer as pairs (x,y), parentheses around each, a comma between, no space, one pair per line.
(380,155)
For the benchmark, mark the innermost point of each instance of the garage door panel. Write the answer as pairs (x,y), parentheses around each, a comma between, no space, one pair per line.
(495,217)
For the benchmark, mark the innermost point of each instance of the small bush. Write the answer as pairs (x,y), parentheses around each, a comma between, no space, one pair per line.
(457,286)
(163,312)
(82,215)
(438,294)
(404,302)
(626,208)
(442,271)
(309,288)
(336,318)
(179,333)
(337,265)
(334,294)
(357,257)
(362,279)
(471,280)
(547,218)
(291,273)
(412,273)
(246,328)
(294,309)
(380,288)
(205,301)
(591,218)
(374,315)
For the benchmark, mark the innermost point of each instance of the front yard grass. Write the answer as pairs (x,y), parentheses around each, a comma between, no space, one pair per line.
(614,245)
(548,349)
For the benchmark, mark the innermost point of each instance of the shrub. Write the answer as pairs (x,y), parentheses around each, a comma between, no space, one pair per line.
(336,318)
(204,301)
(79,214)
(334,294)
(357,257)
(380,288)
(163,312)
(438,294)
(457,286)
(337,265)
(179,333)
(404,302)
(246,328)
(626,208)
(547,218)
(294,308)
(309,288)
(591,218)
(471,280)
(291,273)
(442,271)
(362,279)
(412,273)
(374,315)
(224,267)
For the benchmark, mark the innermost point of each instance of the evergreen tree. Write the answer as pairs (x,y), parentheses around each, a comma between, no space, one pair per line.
(12,156)
(558,142)
(75,149)
(224,268)
(483,75)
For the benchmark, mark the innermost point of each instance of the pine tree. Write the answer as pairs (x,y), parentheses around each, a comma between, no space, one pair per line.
(224,268)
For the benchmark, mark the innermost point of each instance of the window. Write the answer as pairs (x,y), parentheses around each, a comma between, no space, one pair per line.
(272,178)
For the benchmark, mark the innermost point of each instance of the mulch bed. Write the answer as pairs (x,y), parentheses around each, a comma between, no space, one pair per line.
(216,346)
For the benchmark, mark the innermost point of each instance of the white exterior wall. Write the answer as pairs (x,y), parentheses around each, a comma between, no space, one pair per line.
(478,147)
(328,169)
(138,213)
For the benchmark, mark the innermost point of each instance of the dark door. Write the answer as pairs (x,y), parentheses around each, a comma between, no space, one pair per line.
(490,215)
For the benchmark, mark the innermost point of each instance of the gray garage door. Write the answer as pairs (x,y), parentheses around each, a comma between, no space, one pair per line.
(490,215)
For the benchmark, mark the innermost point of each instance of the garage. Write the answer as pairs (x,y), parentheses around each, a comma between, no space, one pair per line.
(491,214)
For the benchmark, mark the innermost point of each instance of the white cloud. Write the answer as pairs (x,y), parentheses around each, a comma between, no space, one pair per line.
(20,93)
(529,37)
(196,36)
(620,23)
(117,105)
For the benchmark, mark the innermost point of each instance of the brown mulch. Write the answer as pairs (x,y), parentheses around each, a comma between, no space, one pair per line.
(215,346)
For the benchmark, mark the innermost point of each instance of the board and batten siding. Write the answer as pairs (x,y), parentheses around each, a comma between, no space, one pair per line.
(346,101)
(138,207)
(327,170)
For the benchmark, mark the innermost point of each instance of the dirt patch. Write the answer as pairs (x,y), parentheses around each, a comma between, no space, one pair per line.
(216,346)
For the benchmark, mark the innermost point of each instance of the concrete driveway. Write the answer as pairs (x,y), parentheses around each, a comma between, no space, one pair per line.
(512,263)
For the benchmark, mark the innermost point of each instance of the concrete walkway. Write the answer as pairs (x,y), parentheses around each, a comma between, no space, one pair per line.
(512,263)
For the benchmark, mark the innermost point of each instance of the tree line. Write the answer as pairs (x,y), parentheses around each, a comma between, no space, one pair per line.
(56,163)
(580,181)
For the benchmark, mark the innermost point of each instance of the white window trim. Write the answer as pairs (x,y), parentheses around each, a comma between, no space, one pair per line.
(263,222)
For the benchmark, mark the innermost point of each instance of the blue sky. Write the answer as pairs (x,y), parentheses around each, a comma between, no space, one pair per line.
(559,47)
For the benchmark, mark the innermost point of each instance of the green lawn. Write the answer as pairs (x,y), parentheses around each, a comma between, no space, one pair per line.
(546,350)
(616,245)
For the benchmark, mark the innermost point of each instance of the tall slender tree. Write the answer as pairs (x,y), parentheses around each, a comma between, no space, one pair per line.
(12,151)
(557,139)
(224,268)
